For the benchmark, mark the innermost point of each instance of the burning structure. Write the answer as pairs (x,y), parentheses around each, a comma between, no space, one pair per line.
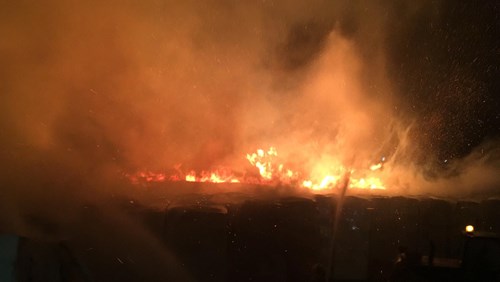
(167,103)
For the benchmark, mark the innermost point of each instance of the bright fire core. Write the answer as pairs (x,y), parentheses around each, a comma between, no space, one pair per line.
(268,170)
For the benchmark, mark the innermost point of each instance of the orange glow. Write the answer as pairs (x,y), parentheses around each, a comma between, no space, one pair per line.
(191,177)
(216,176)
(271,171)
(367,183)
(376,167)
(263,161)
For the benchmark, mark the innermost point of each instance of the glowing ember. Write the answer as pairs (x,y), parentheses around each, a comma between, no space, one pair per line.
(272,172)
(217,176)
(376,167)
(264,162)
(191,177)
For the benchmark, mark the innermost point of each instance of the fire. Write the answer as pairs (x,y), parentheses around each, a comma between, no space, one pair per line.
(271,171)
(327,182)
(217,176)
(366,183)
(191,177)
(263,161)
(376,167)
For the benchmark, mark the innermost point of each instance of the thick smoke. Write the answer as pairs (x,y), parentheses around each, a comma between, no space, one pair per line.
(94,89)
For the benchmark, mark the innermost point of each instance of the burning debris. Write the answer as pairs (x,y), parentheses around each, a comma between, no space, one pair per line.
(271,171)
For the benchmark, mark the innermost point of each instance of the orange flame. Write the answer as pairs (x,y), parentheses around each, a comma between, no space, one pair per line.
(271,171)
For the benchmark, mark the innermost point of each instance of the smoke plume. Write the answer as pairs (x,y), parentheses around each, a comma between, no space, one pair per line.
(93,89)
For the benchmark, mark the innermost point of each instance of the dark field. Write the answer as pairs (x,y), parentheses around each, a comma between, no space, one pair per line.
(201,238)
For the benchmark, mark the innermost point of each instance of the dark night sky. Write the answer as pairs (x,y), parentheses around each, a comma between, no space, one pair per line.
(448,69)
